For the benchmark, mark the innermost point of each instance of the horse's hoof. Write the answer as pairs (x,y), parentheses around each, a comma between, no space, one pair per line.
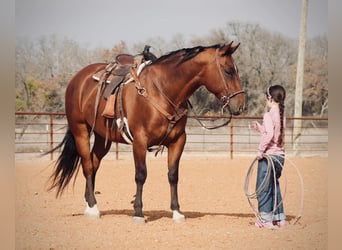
(177,216)
(92,212)
(138,220)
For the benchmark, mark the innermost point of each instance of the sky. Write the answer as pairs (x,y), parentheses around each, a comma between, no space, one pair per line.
(104,23)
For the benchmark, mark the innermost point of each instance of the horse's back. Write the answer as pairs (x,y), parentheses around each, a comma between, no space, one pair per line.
(85,74)
(81,89)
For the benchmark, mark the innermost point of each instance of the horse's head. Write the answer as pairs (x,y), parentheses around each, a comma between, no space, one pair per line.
(221,77)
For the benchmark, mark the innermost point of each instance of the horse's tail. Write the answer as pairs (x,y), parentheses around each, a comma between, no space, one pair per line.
(66,165)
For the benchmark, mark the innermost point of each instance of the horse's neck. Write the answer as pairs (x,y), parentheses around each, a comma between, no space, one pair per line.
(177,89)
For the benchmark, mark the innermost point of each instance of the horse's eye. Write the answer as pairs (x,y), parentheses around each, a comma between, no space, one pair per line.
(229,72)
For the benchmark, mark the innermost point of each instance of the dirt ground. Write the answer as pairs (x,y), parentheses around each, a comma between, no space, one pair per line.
(211,194)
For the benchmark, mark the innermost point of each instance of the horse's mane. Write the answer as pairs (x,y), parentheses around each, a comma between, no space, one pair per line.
(185,53)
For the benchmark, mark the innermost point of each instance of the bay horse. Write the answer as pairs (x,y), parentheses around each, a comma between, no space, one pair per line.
(154,107)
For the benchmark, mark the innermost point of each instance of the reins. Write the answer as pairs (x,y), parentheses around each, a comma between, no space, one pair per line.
(180,112)
(196,116)
(224,99)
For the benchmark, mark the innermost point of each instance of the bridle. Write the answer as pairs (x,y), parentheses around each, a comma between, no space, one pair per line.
(180,112)
(225,100)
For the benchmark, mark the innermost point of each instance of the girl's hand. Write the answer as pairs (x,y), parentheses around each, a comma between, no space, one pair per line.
(259,156)
(255,125)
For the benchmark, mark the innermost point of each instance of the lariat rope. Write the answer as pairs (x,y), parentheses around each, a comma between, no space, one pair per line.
(265,182)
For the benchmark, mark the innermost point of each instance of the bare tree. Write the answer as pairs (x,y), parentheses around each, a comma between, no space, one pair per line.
(263,58)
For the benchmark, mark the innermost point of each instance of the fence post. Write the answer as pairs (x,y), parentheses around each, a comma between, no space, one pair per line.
(231,139)
(51,136)
(296,134)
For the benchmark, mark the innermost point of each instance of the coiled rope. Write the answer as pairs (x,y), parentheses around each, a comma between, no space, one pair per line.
(265,183)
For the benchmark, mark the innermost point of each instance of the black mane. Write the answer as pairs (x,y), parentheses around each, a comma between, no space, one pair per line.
(186,53)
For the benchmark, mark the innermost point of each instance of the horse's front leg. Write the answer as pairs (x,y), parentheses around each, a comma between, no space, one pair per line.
(175,151)
(139,152)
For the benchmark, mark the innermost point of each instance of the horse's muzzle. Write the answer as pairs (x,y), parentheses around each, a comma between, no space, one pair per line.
(239,111)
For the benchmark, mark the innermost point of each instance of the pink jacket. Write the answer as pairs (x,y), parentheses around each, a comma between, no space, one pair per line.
(269,132)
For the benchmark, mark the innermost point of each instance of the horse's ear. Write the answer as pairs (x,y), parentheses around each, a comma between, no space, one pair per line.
(228,49)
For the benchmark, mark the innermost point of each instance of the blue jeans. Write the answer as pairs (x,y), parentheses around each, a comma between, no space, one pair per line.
(266,198)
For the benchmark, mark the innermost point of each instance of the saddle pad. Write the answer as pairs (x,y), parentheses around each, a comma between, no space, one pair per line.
(98,75)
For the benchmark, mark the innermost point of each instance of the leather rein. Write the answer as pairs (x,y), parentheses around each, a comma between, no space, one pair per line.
(181,112)
(225,100)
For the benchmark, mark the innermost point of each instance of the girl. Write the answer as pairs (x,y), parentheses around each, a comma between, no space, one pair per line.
(271,153)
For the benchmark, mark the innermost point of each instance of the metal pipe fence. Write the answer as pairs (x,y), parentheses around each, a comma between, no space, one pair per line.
(40,132)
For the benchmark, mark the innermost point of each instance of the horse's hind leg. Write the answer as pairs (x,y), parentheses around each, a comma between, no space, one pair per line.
(81,134)
(82,140)
(174,154)
(99,150)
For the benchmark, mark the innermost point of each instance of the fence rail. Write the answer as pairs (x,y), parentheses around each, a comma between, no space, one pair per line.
(40,132)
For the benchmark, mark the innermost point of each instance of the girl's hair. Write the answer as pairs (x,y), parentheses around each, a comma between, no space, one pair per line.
(278,94)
